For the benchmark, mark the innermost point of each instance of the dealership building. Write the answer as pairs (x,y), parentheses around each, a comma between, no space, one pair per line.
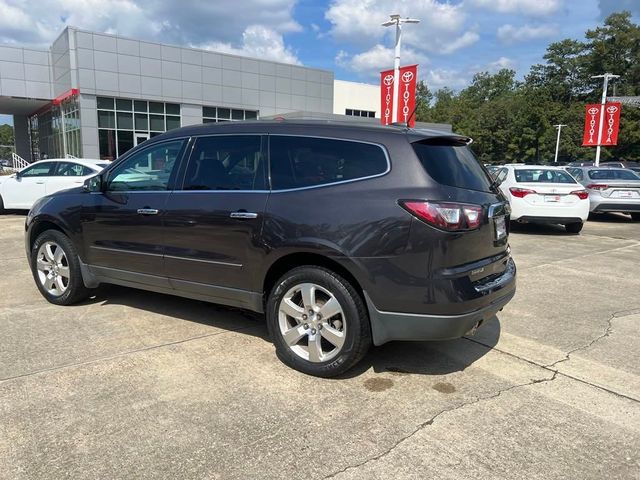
(97,95)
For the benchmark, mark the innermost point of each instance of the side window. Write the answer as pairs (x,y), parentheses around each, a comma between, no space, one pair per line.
(147,169)
(577,173)
(226,162)
(39,170)
(305,161)
(69,169)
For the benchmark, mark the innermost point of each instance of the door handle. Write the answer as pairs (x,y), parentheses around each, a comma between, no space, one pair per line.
(147,211)
(243,215)
(39,183)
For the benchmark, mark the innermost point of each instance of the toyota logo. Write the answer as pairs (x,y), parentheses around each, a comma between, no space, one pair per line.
(388,80)
(593,110)
(612,109)
(407,77)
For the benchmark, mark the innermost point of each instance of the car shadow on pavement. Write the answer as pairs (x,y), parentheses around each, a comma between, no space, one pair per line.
(396,358)
(204,313)
(429,358)
(610,218)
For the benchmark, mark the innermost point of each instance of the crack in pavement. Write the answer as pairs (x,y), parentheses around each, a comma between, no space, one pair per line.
(606,333)
(431,420)
(554,373)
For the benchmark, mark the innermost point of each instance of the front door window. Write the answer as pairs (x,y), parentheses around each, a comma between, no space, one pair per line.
(148,169)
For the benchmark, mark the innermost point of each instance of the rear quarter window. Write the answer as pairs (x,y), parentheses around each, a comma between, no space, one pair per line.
(452,163)
(298,162)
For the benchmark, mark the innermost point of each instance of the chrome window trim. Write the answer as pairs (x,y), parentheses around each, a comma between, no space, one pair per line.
(351,180)
(121,250)
(214,262)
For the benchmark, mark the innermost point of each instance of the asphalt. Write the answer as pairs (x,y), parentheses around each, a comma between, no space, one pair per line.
(137,385)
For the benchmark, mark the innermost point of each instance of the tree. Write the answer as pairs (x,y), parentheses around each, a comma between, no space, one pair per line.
(6,135)
(513,121)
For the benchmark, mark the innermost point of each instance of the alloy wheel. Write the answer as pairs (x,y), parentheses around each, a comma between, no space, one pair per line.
(312,322)
(53,268)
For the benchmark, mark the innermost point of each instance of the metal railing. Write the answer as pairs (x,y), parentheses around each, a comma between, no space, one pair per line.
(17,162)
(68,155)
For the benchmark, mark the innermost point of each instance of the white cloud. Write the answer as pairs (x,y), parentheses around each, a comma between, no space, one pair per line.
(527,7)
(441,29)
(439,78)
(181,23)
(455,79)
(502,62)
(259,42)
(376,59)
(510,34)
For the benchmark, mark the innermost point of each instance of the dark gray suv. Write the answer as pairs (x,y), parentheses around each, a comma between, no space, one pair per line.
(342,235)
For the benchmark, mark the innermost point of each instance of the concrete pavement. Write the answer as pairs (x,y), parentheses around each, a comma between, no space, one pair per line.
(137,385)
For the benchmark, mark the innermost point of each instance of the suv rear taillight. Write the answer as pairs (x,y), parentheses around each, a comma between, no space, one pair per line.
(582,194)
(446,215)
(597,186)
(521,192)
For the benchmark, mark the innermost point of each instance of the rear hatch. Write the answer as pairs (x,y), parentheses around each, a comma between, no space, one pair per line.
(466,220)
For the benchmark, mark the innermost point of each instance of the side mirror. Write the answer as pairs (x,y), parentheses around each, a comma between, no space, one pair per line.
(93,184)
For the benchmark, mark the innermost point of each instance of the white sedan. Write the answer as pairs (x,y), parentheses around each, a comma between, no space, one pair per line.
(44,177)
(541,194)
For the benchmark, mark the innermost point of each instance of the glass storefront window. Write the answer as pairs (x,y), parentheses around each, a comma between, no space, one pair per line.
(124,123)
(221,114)
(56,131)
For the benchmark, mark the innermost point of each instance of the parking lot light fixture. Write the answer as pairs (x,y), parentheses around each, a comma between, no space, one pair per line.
(559,127)
(396,20)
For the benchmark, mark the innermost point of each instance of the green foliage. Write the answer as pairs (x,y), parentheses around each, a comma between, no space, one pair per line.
(513,121)
(6,135)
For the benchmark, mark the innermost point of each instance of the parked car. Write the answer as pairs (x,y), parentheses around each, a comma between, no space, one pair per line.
(343,235)
(635,166)
(610,189)
(44,177)
(544,194)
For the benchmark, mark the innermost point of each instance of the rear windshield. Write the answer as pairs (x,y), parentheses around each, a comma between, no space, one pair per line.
(452,164)
(542,175)
(611,174)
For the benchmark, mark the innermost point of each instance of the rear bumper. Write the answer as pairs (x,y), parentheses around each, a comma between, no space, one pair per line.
(603,207)
(550,220)
(389,326)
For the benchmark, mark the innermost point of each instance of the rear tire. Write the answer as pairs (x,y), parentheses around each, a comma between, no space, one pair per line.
(56,269)
(1,205)
(318,322)
(574,227)
(635,217)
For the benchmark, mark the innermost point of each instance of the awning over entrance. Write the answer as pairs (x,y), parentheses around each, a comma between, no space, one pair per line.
(21,106)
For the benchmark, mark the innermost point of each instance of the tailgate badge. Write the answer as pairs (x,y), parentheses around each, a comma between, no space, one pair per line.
(477,271)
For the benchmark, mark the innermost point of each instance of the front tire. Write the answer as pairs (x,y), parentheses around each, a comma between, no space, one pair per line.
(635,217)
(56,269)
(1,205)
(318,322)
(574,227)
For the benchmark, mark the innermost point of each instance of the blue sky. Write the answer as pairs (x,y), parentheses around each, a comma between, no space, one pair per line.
(454,40)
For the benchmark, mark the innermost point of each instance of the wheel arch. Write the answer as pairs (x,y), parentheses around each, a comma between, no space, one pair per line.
(298,259)
(40,225)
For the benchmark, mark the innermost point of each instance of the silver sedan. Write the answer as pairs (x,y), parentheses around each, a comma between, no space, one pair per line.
(610,189)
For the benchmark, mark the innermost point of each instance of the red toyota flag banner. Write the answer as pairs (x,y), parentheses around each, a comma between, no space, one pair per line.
(386,97)
(610,127)
(611,124)
(406,95)
(591,125)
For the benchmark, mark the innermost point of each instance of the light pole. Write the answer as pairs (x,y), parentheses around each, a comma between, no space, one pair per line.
(397,21)
(606,78)
(559,127)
